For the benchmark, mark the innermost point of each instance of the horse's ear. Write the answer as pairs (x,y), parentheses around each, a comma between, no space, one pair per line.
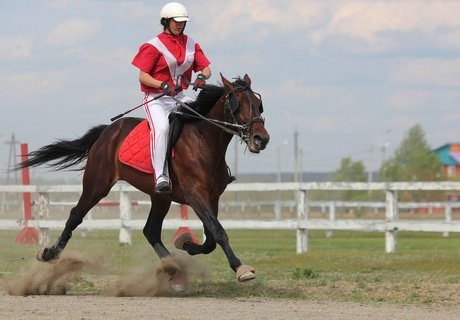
(247,80)
(227,84)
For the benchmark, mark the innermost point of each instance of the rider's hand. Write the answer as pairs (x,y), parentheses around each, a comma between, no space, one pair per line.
(200,82)
(168,89)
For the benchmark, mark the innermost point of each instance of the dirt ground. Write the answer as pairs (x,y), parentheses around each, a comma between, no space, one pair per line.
(100,307)
(41,294)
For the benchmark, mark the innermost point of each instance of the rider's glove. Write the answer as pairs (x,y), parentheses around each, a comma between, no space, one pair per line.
(168,89)
(200,82)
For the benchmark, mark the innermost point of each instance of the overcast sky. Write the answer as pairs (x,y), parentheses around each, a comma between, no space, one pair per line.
(349,76)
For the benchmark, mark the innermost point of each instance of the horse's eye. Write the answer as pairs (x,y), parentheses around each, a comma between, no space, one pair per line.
(234,104)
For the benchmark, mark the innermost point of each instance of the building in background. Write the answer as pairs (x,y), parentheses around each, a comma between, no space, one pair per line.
(449,155)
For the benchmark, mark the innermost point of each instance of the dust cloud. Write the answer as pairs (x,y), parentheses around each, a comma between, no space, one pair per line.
(157,281)
(52,278)
(169,277)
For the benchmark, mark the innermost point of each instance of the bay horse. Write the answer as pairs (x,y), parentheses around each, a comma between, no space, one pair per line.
(198,170)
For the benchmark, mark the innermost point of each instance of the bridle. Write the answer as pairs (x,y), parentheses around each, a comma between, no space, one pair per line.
(231,106)
(236,127)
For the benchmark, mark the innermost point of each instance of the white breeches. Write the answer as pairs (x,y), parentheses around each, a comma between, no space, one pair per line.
(157,115)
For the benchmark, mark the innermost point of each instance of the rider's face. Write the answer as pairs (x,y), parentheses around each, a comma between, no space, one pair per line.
(176,26)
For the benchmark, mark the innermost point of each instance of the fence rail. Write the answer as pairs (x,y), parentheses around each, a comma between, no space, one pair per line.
(302,224)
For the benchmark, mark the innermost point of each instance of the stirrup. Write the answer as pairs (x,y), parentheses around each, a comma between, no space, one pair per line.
(164,186)
(231,177)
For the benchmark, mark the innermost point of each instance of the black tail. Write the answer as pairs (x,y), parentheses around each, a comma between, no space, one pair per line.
(64,153)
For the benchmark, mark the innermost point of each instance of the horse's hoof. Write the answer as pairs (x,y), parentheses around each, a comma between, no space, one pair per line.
(245,273)
(177,288)
(178,283)
(47,255)
(182,239)
(43,255)
(39,255)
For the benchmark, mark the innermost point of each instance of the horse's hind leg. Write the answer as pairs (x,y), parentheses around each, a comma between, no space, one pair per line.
(193,248)
(207,212)
(52,253)
(93,192)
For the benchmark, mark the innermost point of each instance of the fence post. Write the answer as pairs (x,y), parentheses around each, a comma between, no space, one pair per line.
(331,217)
(278,210)
(448,217)
(302,215)
(43,213)
(125,236)
(391,216)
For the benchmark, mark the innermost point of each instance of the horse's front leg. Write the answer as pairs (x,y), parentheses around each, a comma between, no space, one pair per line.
(207,213)
(152,231)
(154,224)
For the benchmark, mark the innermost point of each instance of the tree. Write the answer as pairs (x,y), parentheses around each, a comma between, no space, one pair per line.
(413,160)
(350,171)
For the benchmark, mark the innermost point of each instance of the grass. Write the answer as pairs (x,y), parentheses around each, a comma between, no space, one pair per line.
(351,266)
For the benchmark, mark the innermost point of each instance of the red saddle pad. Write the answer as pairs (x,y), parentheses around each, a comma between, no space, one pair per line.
(135,149)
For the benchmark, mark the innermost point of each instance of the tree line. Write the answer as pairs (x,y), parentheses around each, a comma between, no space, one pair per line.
(413,160)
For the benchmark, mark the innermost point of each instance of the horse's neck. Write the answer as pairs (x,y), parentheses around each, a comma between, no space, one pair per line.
(214,137)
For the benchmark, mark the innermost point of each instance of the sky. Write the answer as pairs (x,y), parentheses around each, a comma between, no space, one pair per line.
(348,78)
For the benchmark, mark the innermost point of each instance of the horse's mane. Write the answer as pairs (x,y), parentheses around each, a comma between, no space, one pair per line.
(208,97)
(240,83)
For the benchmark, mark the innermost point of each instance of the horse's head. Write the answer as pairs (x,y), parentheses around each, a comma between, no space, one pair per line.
(245,108)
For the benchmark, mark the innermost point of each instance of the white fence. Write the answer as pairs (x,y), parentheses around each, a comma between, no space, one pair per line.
(302,224)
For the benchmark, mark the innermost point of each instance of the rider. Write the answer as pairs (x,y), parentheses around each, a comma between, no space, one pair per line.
(166,63)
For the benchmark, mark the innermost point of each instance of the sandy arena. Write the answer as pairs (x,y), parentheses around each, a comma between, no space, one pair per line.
(99,307)
(42,293)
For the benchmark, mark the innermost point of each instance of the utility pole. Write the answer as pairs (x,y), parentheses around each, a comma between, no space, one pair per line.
(235,173)
(385,146)
(12,156)
(369,171)
(12,159)
(296,156)
(384,149)
(301,165)
(278,206)
(235,164)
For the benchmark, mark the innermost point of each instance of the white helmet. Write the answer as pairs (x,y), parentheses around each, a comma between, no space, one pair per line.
(174,10)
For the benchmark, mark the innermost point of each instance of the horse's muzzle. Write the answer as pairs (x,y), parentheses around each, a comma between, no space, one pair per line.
(258,142)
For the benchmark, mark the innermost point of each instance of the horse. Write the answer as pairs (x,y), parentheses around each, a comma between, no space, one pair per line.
(198,170)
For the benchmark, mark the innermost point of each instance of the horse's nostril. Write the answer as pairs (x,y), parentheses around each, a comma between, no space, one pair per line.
(260,141)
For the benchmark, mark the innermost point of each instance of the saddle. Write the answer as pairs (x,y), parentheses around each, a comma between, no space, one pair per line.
(135,148)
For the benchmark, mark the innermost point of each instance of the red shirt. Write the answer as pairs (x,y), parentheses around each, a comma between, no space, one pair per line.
(151,61)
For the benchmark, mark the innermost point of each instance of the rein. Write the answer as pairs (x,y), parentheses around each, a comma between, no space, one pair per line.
(215,122)
(241,129)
